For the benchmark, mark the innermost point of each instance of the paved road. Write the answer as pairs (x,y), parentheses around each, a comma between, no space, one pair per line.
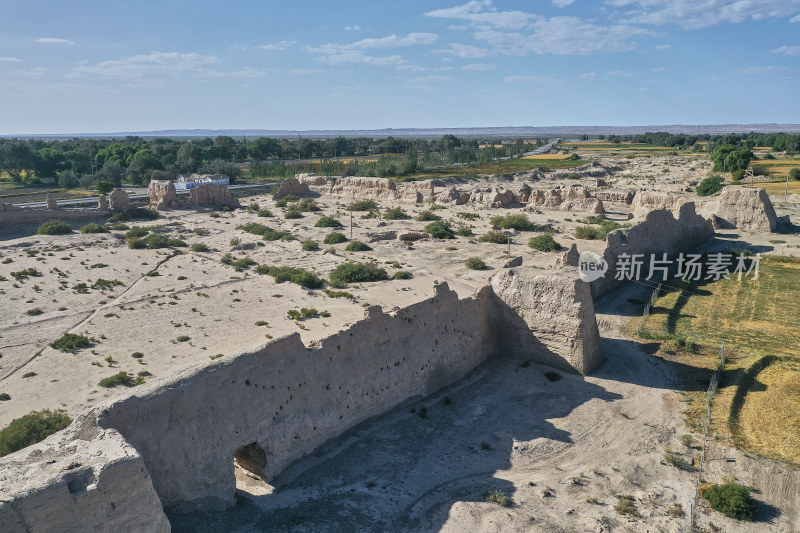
(544,149)
(92,200)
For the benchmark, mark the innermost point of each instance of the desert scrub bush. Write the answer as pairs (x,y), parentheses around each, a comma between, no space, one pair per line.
(286,200)
(327,222)
(594,233)
(22,275)
(494,237)
(475,263)
(120,378)
(71,342)
(677,460)
(365,204)
(709,186)
(626,505)
(308,205)
(105,284)
(137,355)
(544,243)
(310,245)
(292,213)
(54,227)
(266,232)
(93,228)
(334,237)
(468,216)
(731,499)
(464,231)
(34,312)
(253,207)
(338,294)
(31,428)
(120,227)
(242,264)
(133,213)
(136,232)
(264,213)
(298,276)
(183,338)
(154,242)
(395,213)
(305,312)
(352,272)
(357,246)
(440,229)
(200,247)
(403,274)
(427,216)
(495,496)
(4,396)
(519,222)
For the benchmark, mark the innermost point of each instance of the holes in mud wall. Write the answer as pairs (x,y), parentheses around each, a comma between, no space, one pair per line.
(252,459)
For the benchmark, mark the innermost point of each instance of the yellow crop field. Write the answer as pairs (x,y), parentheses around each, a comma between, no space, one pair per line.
(548,156)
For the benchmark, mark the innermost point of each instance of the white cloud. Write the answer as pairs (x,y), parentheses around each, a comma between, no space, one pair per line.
(466,51)
(662,47)
(159,64)
(658,69)
(787,50)
(694,14)
(301,71)
(10,60)
(337,54)
(764,69)
(588,75)
(429,79)
(391,41)
(419,68)
(520,33)
(795,18)
(53,40)
(480,67)
(280,46)
(620,74)
(355,27)
(562,3)
(36,72)
(357,56)
(535,80)
(481,12)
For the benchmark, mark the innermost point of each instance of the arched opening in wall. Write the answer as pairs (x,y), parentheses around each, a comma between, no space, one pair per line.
(249,463)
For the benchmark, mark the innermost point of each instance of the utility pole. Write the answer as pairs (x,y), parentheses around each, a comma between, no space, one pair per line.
(351,215)
(786,191)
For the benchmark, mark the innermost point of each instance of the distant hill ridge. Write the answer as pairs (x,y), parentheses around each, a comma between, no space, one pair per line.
(511,131)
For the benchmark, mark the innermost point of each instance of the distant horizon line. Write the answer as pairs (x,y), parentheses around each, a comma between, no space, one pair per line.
(690,129)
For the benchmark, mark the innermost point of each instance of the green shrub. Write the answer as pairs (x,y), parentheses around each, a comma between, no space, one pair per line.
(31,428)
(286,200)
(327,222)
(731,499)
(475,263)
(154,242)
(268,233)
(253,207)
(518,222)
(310,245)
(737,175)
(26,273)
(34,312)
(357,246)
(200,247)
(71,343)
(427,215)
(55,227)
(243,264)
(133,213)
(120,378)
(395,213)
(338,294)
(709,186)
(440,230)
(794,174)
(136,232)
(403,274)
(468,216)
(119,227)
(298,276)
(334,238)
(626,505)
(495,496)
(308,204)
(264,213)
(364,205)
(292,213)
(352,272)
(464,231)
(544,243)
(94,228)
(495,237)
(588,232)
(4,396)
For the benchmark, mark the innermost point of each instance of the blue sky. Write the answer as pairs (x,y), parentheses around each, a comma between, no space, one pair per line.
(83,66)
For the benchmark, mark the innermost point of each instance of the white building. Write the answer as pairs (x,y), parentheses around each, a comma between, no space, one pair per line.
(190,181)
